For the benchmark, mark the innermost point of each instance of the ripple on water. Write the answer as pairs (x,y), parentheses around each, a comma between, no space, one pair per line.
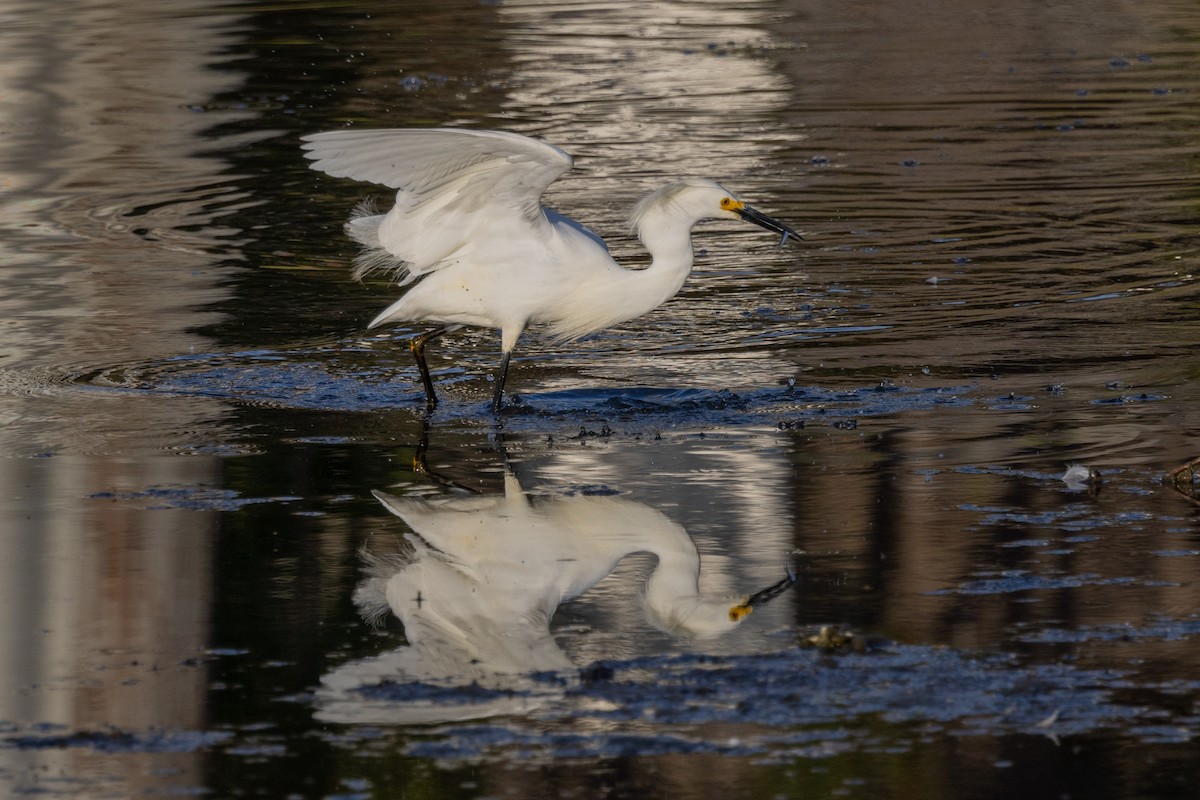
(351,380)
(808,704)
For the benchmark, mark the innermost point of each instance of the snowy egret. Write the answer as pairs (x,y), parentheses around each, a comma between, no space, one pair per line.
(469,223)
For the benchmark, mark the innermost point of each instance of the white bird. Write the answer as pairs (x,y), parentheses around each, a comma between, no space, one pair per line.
(468,223)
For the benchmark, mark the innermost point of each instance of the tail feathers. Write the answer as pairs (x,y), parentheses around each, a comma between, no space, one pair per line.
(363,227)
(375,259)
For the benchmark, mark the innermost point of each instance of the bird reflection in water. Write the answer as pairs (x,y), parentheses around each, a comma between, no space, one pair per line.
(477,583)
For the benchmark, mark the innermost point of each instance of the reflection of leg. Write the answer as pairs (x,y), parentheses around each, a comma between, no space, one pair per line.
(500,378)
(417,345)
(420,465)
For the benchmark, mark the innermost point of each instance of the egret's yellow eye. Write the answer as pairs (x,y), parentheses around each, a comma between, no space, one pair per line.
(729,204)
(726,203)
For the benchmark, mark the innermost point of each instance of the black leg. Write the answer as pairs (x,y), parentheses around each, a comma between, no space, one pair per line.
(500,378)
(417,345)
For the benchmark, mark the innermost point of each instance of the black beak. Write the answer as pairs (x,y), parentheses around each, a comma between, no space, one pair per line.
(763,221)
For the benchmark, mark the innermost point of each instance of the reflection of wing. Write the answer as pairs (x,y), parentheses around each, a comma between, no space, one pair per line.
(394,700)
(518,557)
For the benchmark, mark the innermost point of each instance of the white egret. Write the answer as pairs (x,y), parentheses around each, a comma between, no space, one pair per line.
(469,223)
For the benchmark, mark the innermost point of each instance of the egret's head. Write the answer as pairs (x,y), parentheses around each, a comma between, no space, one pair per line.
(735,208)
(692,200)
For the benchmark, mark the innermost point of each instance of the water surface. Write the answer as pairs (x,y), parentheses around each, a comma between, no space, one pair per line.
(211,470)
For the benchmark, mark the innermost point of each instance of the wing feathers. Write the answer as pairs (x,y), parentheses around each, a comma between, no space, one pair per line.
(421,160)
(450,183)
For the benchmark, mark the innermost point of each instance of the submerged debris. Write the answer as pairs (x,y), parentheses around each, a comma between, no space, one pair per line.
(1080,478)
(831,639)
(1186,480)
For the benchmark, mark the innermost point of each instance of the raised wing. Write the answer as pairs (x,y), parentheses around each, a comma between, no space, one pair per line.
(456,170)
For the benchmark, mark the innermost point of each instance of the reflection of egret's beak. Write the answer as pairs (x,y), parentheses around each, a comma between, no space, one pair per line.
(739,612)
(763,221)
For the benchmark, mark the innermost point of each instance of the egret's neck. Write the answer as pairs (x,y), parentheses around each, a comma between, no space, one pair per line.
(668,238)
(615,295)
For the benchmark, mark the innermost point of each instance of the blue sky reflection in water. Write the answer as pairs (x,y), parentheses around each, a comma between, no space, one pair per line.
(997,282)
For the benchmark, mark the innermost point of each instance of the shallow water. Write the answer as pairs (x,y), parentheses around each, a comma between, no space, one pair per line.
(997,282)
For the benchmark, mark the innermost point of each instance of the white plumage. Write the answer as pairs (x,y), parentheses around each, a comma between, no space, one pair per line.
(483,575)
(469,224)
